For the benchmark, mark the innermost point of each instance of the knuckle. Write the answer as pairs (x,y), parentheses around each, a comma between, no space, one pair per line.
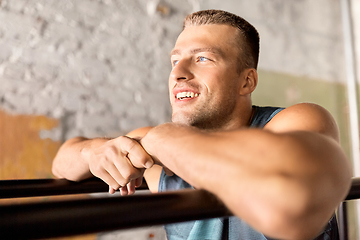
(111,152)
(127,143)
(115,186)
(103,162)
(143,158)
(131,173)
(123,182)
(85,153)
(126,180)
(131,145)
(95,170)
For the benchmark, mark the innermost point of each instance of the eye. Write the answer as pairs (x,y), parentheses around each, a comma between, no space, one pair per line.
(202,59)
(175,62)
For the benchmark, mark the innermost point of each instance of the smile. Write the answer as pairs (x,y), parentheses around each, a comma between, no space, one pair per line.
(183,95)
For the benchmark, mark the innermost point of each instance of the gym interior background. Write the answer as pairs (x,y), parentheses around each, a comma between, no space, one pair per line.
(99,68)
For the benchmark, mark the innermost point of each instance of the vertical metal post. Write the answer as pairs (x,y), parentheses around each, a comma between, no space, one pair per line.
(351,90)
(351,84)
(343,223)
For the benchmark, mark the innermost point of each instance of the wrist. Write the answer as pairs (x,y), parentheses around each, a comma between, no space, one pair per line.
(88,147)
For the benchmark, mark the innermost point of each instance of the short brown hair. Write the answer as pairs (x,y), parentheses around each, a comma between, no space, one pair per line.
(249,55)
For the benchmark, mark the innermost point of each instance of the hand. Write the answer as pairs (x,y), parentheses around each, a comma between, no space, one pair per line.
(119,162)
(147,141)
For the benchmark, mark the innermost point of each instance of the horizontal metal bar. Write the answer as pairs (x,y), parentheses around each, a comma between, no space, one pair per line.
(50,187)
(73,217)
(67,218)
(354,192)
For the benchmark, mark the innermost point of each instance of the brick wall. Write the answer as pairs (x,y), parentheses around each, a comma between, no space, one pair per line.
(100,67)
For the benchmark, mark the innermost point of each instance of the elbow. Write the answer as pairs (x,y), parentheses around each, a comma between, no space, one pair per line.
(305,212)
(304,216)
(300,213)
(303,224)
(55,168)
(55,171)
(63,163)
(308,225)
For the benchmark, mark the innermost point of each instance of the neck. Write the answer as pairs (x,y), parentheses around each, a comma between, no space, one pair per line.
(242,119)
(239,119)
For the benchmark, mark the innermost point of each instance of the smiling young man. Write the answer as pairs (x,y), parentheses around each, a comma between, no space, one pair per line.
(280,171)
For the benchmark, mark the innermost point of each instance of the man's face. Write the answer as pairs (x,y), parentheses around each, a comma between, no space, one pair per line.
(204,82)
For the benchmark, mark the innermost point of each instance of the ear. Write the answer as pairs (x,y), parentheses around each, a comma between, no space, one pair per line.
(249,81)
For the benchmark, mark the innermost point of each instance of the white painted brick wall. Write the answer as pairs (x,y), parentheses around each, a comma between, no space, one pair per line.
(106,62)
(302,38)
(103,64)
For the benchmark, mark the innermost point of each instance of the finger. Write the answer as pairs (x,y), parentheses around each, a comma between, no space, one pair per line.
(138,181)
(114,164)
(107,178)
(131,187)
(127,171)
(124,191)
(111,190)
(116,179)
(135,152)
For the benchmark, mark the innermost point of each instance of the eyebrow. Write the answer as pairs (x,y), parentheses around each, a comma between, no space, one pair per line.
(216,51)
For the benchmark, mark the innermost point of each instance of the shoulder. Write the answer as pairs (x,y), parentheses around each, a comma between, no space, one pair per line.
(304,117)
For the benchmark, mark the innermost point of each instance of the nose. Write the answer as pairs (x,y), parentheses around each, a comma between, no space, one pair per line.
(182,71)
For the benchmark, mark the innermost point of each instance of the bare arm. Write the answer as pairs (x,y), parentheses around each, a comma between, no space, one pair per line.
(285,180)
(120,162)
(69,163)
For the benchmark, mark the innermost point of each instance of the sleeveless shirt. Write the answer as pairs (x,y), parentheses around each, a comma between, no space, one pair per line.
(229,228)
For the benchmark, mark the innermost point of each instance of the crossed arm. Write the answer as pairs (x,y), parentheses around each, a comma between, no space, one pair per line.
(120,162)
(285,180)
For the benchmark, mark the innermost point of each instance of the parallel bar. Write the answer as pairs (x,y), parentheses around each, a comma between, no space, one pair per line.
(351,75)
(67,218)
(354,192)
(352,94)
(50,187)
(343,221)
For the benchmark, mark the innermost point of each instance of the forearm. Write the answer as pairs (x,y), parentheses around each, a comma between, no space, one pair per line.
(69,162)
(249,169)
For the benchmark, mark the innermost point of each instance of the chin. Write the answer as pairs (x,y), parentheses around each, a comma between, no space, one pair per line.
(181,119)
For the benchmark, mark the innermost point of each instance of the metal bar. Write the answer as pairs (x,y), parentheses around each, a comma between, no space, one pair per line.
(343,222)
(354,192)
(352,92)
(351,84)
(50,187)
(67,218)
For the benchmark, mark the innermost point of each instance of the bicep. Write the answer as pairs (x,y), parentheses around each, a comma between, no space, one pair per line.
(304,117)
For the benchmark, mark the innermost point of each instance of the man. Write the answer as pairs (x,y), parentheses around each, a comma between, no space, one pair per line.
(280,171)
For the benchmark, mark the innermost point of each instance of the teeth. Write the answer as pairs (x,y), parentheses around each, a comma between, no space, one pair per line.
(186,95)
